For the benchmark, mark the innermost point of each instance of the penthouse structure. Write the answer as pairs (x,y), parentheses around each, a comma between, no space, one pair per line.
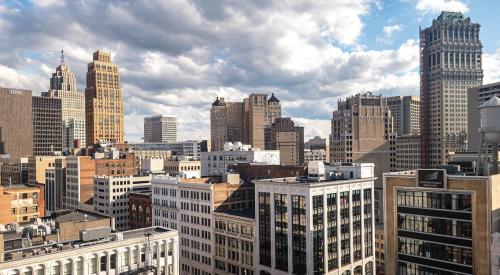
(318,224)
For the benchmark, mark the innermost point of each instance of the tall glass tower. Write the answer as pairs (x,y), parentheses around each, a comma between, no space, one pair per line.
(450,64)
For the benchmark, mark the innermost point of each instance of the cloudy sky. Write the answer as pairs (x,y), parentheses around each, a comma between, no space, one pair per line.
(176,56)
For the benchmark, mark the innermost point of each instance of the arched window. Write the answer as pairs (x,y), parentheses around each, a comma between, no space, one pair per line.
(358,270)
(369,268)
(133,207)
(347,272)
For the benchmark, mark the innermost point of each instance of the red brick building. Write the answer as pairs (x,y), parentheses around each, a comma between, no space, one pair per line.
(139,209)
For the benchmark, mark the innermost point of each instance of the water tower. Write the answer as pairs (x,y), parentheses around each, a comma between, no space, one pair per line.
(490,135)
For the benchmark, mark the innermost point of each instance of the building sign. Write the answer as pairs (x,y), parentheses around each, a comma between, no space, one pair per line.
(431,178)
(15,92)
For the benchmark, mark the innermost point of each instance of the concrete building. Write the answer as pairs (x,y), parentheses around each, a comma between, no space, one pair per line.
(160,129)
(55,186)
(153,249)
(47,126)
(152,165)
(21,203)
(234,242)
(165,150)
(475,97)
(140,209)
(284,136)
(450,64)
(242,121)
(103,101)
(317,144)
(37,165)
(215,163)
(111,196)
(63,86)
(14,172)
(406,153)
(362,131)
(319,224)
(80,174)
(188,205)
(16,130)
(186,167)
(437,223)
(405,112)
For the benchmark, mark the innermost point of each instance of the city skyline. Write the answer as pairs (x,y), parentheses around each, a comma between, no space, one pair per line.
(313,54)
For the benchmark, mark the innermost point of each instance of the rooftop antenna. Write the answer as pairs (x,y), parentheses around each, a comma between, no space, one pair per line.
(62,57)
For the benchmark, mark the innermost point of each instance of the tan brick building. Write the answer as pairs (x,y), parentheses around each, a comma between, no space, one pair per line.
(21,203)
(242,121)
(103,101)
(284,136)
(437,223)
(16,132)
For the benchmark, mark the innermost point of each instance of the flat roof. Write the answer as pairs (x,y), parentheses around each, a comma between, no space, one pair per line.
(248,213)
(312,181)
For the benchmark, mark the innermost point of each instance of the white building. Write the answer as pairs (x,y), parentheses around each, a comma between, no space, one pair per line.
(215,163)
(111,195)
(183,166)
(160,129)
(315,155)
(319,224)
(154,249)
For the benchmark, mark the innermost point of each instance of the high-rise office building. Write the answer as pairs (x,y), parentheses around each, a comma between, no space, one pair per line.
(63,86)
(362,131)
(319,224)
(160,129)
(439,224)
(475,97)
(317,145)
(450,64)
(242,121)
(284,136)
(16,130)
(47,125)
(103,101)
(405,111)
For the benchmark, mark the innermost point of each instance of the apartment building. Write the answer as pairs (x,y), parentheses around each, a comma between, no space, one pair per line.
(187,167)
(187,205)
(21,203)
(111,196)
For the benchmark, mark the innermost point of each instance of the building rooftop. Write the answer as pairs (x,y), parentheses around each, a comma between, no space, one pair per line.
(58,247)
(79,215)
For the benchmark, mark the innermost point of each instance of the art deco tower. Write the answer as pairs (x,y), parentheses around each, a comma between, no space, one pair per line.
(103,101)
(450,64)
(63,86)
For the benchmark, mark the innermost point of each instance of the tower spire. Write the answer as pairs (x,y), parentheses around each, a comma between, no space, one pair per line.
(62,57)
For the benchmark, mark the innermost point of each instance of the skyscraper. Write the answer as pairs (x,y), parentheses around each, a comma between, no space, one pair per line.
(16,131)
(242,121)
(47,125)
(103,101)
(63,86)
(362,131)
(450,64)
(160,128)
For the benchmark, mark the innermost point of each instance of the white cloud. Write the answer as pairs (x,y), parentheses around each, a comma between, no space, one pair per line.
(436,6)
(392,29)
(175,57)
(48,3)
(491,67)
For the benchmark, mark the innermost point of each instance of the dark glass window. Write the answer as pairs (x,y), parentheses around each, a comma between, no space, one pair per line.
(265,229)
(281,231)
(318,235)
(299,235)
